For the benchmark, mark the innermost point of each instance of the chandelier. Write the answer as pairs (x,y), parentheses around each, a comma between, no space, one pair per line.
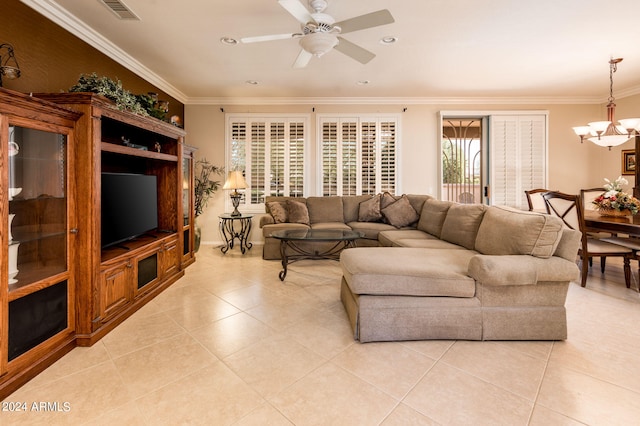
(609,133)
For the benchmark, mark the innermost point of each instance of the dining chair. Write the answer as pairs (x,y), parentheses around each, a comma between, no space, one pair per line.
(569,208)
(535,200)
(587,196)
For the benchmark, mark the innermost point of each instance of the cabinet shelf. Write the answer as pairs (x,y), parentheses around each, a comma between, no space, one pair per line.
(126,150)
(25,234)
(35,278)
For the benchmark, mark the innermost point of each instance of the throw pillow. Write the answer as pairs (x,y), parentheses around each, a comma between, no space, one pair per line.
(386,199)
(298,212)
(369,210)
(278,211)
(432,217)
(400,213)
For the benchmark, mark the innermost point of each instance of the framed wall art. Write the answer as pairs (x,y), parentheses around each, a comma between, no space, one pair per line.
(628,161)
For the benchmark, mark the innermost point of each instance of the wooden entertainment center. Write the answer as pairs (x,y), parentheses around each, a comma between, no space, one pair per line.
(58,287)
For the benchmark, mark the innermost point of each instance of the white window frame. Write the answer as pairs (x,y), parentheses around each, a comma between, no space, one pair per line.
(230,164)
(358,119)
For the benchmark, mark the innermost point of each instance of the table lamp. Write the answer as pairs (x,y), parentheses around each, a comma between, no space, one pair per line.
(235,181)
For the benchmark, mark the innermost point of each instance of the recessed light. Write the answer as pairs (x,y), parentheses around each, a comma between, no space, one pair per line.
(388,39)
(252,82)
(228,40)
(363,82)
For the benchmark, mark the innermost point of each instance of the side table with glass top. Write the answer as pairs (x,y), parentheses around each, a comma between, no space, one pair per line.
(292,247)
(235,227)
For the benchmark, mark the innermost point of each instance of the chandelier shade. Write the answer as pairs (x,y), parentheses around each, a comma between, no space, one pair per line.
(609,133)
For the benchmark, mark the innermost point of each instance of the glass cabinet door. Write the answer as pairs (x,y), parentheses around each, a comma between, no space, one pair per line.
(186,190)
(38,204)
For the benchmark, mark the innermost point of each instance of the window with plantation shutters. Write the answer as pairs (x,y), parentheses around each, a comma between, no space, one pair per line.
(518,146)
(271,151)
(358,154)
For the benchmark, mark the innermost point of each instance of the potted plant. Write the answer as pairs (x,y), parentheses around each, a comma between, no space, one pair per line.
(205,187)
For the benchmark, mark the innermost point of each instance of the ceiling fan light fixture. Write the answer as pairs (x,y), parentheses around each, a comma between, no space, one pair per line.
(318,43)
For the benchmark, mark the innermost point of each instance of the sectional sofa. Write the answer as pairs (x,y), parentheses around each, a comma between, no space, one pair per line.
(429,269)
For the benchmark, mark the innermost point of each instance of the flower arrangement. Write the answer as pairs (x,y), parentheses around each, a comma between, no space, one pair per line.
(615,199)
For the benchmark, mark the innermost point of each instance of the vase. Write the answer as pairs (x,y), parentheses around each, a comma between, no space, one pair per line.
(614,212)
(11,216)
(13,262)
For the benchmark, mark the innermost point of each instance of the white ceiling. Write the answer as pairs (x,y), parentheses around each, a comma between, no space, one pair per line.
(447,50)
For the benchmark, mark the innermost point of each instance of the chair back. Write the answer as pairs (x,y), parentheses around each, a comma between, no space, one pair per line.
(567,207)
(535,200)
(588,195)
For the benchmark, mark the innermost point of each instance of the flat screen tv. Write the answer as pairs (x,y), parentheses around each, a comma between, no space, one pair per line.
(129,206)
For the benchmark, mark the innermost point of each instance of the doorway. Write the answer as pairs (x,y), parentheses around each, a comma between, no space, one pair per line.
(463,146)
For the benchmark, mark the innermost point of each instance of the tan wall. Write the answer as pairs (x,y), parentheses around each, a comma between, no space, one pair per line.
(572,165)
(51,59)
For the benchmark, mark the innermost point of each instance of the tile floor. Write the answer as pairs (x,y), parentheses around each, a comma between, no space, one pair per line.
(229,344)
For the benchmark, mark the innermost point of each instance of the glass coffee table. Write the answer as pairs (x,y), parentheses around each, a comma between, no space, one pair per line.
(293,240)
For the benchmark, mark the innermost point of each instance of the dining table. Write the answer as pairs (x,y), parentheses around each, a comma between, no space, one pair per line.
(594,222)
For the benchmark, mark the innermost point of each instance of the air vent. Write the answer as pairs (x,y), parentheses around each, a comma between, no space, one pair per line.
(121,10)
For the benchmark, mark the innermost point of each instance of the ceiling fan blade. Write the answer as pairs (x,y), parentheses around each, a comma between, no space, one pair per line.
(354,51)
(373,19)
(271,37)
(297,10)
(303,59)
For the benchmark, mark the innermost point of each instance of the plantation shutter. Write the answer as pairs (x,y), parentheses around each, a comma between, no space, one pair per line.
(388,156)
(518,157)
(258,166)
(349,158)
(358,155)
(271,152)
(296,160)
(329,159)
(368,158)
(277,164)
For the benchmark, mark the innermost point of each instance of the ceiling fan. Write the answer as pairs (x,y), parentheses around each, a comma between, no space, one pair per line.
(320,32)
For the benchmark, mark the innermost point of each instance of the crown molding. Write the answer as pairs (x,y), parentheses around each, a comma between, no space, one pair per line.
(57,14)
(391,101)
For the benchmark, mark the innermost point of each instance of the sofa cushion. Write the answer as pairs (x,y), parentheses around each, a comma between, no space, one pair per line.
(369,210)
(400,213)
(325,209)
(267,230)
(417,201)
(432,216)
(297,212)
(331,225)
(408,271)
(351,206)
(390,238)
(432,243)
(278,211)
(371,230)
(462,223)
(506,230)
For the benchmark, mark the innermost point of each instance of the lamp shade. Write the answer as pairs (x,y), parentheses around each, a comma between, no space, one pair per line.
(235,180)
